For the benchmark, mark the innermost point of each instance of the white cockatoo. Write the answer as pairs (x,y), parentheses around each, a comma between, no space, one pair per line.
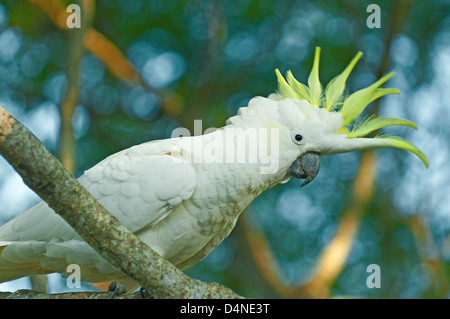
(182,196)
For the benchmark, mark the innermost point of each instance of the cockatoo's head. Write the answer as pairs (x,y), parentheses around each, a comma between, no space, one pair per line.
(314,122)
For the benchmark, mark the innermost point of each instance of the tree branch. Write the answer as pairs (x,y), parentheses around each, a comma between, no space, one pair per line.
(31,294)
(47,177)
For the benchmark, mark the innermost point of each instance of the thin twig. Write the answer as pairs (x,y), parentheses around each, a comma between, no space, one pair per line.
(68,105)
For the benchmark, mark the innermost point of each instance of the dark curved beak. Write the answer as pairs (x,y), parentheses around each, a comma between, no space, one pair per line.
(306,166)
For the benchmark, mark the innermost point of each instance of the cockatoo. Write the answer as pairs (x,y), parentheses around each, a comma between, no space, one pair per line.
(183,195)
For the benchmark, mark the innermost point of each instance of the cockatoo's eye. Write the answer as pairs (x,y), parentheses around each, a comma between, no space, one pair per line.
(297,137)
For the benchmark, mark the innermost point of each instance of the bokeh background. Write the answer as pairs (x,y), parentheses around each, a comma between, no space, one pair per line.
(139,69)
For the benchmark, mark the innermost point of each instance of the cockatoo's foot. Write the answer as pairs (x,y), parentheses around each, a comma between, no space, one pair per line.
(143,293)
(116,289)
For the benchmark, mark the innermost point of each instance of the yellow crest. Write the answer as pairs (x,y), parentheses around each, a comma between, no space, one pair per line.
(350,106)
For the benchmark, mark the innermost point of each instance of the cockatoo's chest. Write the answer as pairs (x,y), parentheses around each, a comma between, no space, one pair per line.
(223,192)
(199,224)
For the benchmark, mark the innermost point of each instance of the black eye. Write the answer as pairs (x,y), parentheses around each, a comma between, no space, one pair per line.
(297,137)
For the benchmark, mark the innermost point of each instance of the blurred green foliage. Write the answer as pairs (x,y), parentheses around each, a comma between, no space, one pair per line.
(204,60)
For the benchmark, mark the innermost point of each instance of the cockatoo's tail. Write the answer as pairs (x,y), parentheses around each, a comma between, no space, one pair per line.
(332,100)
